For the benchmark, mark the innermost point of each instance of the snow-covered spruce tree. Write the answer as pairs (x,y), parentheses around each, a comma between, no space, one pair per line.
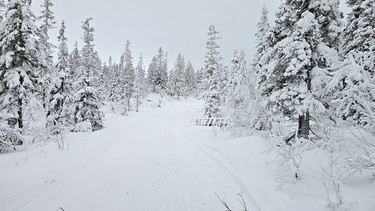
(212,80)
(189,79)
(304,48)
(171,84)
(112,77)
(260,115)
(20,57)
(176,80)
(48,23)
(58,115)
(119,87)
(353,95)
(352,89)
(106,77)
(240,92)
(297,69)
(86,109)
(262,39)
(354,84)
(74,62)
(129,75)
(139,83)
(199,82)
(359,34)
(157,75)
(151,75)
(90,63)
(122,82)
(224,80)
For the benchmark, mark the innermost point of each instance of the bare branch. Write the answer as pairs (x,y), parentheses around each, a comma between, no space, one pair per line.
(243,202)
(223,202)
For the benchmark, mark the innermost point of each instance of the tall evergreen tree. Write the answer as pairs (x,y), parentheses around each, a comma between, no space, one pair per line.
(171,85)
(129,75)
(74,62)
(359,34)
(212,75)
(63,53)
(86,102)
(58,115)
(107,76)
(122,82)
(199,82)
(118,86)
(240,93)
(353,84)
(115,81)
(264,40)
(352,90)
(176,80)
(302,51)
(89,62)
(20,56)
(139,83)
(151,75)
(189,79)
(48,23)
(158,72)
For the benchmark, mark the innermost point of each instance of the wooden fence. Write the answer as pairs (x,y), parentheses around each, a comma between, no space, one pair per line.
(211,122)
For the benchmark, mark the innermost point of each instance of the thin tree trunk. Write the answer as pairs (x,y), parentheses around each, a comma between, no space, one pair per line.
(137,104)
(20,107)
(304,126)
(20,113)
(128,103)
(304,120)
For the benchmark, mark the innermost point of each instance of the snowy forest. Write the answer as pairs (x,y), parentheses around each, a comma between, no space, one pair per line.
(309,87)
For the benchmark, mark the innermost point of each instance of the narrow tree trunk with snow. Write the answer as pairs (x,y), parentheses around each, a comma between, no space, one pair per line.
(20,113)
(304,120)
(304,126)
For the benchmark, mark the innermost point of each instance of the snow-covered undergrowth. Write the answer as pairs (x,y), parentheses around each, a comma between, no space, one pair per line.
(158,160)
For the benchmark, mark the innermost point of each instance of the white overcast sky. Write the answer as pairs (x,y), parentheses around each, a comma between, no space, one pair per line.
(178,26)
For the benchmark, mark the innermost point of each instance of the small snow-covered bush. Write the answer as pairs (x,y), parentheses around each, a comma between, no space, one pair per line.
(9,138)
(332,144)
(290,158)
(83,127)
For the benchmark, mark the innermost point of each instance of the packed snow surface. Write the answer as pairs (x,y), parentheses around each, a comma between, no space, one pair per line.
(158,159)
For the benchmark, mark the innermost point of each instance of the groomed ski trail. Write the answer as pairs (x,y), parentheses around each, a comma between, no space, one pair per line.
(148,161)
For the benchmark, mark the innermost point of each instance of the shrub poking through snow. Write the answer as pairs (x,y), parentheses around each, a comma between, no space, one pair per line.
(9,138)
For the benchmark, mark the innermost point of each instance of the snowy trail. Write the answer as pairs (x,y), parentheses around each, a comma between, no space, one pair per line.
(158,160)
(147,161)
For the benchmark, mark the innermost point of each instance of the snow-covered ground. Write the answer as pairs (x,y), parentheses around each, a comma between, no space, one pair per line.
(158,160)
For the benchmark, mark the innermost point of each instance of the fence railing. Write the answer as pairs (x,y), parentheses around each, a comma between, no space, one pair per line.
(210,122)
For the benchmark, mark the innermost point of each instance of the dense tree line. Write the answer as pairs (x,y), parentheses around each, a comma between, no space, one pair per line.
(67,93)
(310,67)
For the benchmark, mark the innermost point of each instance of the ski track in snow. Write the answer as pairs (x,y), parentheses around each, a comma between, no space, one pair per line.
(168,190)
(172,179)
(227,171)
